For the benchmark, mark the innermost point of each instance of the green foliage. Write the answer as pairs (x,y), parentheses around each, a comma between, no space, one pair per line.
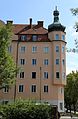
(75,13)
(7,67)
(26,110)
(71,90)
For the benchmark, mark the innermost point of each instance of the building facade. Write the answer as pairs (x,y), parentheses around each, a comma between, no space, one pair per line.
(40,54)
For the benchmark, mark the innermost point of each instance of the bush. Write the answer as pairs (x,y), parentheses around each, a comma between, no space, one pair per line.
(26,110)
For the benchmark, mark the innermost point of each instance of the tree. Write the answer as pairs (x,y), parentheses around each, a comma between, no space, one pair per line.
(8,68)
(71,91)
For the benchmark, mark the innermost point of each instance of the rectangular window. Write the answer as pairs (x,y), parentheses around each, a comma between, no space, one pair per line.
(57,37)
(34,61)
(61,106)
(63,49)
(22,61)
(46,88)
(57,48)
(46,75)
(34,49)
(63,75)
(10,49)
(57,61)
(63,37)
(57,74)
(63,62)
(23,37)
(33,88)
(45,61)
(33,75)
(46,49)
(22,49)
(21,88)
(34,37)
(21,74)
(5,90)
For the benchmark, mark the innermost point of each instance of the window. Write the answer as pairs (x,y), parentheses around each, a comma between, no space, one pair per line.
(61,106)
(34,49)
(57,61)
(21,88)
(63,37)
(22,61)
(63,49)
(33,75)
(23,37)
(46,75)
(10,49)
(5,90)
(22,49)
(33,88)
(46,49)
(57,48)
(21,74)
(34,61)
(57,37)
(34,37)
(57,74)
(45,61)
(63,75)
(46,88)
(63,62)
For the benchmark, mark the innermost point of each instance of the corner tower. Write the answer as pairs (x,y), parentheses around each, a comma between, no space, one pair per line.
(56,33)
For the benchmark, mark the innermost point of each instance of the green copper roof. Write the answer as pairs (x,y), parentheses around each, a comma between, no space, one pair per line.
(56,25)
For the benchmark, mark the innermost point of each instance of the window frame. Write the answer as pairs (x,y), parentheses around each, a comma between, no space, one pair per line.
(56,36)
(45,88)
(22,88)
(33,88)
(33,75)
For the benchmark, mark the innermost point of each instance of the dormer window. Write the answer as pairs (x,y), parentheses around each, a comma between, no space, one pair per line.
(23,37)
(34,37)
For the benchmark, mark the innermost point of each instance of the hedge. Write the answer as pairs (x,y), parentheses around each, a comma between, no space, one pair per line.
(26,110)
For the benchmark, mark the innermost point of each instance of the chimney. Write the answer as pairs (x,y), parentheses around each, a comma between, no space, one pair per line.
(30,22)
(10,21)
(40,23)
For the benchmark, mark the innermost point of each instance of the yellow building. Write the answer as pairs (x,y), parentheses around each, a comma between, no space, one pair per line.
(40,54)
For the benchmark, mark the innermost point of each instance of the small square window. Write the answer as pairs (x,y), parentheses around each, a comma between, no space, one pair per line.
(34,49)
(33,75)
(33,88)
(21,88)
(46,88)
(46,49)
(21,74)
(57,74)
(57,37)
(22,49)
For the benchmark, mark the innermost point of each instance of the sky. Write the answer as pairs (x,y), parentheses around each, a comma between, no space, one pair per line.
(20,11)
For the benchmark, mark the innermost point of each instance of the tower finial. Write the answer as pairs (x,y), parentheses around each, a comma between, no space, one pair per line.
(56,8)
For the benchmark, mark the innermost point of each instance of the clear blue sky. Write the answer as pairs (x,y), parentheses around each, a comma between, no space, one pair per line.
(21,10)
